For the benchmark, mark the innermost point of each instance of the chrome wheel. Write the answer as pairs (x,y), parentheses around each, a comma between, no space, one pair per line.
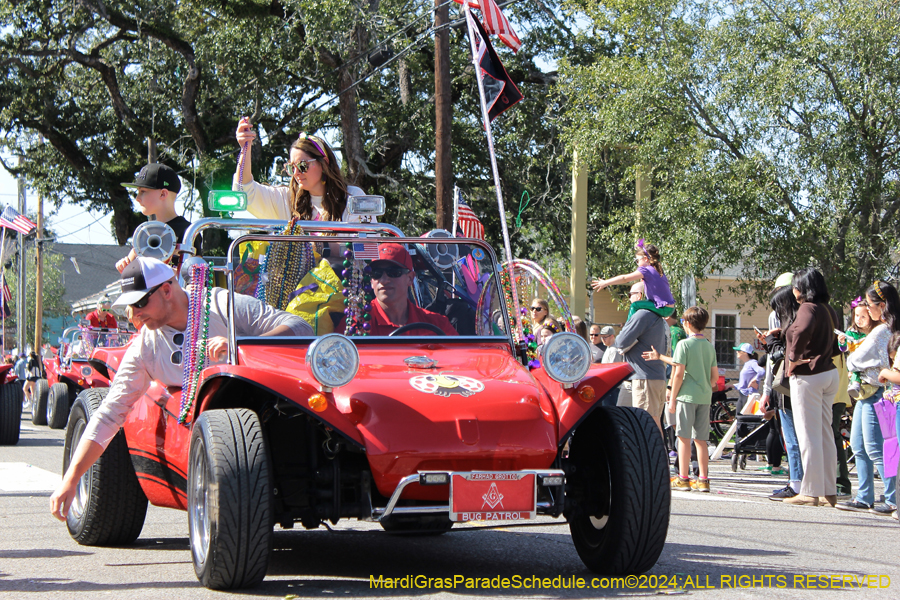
(199,505)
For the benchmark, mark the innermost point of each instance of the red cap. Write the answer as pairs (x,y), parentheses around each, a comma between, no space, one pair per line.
(395,253)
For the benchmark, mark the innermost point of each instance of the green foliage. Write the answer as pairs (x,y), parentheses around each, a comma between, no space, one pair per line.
(53,291)
(770,129)
(98,79)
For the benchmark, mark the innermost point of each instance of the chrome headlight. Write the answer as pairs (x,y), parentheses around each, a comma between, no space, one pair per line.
(333,360)
(566,357)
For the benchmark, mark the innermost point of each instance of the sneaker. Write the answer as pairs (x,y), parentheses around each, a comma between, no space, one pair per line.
(785,492)
(680,485)
(885,510)
(673,454)
(700,485)
(854,506)
(777,471)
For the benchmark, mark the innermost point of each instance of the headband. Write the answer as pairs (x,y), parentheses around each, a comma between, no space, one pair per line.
(315,142)
(640,244)
(877,286)
(857,302)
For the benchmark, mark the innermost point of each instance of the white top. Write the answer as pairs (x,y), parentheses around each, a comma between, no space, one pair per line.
(274,202)
(149,357)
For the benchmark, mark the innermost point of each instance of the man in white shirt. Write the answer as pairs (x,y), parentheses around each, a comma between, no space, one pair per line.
(160,312)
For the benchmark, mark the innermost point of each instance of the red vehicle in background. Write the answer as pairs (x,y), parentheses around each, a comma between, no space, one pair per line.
(11,398)
(416,430)
(87,358)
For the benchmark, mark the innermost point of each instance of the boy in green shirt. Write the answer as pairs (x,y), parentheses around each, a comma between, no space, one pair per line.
(694,373)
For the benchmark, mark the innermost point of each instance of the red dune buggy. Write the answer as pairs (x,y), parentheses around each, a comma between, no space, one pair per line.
(87,358)
(11,399)
(416,430)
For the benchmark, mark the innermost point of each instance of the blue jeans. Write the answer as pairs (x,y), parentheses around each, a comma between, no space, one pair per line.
(868,447)
(791,445)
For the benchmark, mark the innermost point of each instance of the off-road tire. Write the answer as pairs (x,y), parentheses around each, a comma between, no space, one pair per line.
(416,525)
(58,406)
(39,406)
(110,506)
(11,398)
(621,489)
(230,514)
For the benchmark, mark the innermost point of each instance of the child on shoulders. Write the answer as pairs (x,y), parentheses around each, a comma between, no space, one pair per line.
(656,284)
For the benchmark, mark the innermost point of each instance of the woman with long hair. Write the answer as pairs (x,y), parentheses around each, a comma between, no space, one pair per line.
(784,310)
(541,319)
(883,305)
(317,189)
(811,345)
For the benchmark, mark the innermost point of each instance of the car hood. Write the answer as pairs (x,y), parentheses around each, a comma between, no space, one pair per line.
(476,408)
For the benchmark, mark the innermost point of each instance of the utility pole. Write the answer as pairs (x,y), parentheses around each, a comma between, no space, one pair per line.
(20,292)
(39,277)
(443,165)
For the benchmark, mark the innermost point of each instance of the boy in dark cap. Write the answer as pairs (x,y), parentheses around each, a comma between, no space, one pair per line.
(157,187)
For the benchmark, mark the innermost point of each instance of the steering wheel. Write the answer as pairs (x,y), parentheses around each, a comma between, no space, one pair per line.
(420,325)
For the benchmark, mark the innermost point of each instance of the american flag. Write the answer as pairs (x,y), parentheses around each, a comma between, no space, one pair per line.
(11,218)
(364,251)
(495,22)
(467,224)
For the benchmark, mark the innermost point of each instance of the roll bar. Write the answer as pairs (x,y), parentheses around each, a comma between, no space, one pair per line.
(271,225)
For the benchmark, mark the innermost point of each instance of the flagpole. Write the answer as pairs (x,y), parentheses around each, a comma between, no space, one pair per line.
(3,281)
(455,210)
(490,140)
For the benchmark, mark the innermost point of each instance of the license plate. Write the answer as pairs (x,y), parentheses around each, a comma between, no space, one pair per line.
(493,497)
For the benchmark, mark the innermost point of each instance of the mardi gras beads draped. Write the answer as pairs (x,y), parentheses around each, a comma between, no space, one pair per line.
(357,293)
(283,266)
(196,338)
(529,339)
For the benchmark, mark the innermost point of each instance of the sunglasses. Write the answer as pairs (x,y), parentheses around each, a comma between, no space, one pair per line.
(178,340)
(392,272)
(301,166)
(595,335)
(146,299)
(537,308)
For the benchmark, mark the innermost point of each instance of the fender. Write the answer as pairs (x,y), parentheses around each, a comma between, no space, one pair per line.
(288,388)
(571,407)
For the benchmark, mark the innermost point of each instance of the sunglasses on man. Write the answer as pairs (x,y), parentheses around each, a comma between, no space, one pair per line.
(392,272)
(146,299)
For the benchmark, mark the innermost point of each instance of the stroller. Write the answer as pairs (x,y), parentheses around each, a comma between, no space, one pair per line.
(751,437)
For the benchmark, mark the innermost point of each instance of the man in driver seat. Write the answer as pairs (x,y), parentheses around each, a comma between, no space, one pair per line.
(392,275)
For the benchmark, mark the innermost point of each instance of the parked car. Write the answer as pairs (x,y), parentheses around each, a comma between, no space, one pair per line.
(416,431)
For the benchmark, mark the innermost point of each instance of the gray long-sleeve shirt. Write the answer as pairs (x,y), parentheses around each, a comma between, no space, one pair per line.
(645,329)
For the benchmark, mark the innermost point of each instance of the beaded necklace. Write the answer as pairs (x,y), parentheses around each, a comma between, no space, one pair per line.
(358,294)
(283,266)
(196,338)
(527,333)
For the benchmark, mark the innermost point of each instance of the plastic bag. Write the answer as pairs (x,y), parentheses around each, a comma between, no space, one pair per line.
(317,295)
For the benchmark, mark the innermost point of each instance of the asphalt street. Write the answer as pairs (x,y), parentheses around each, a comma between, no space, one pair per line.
(731,543)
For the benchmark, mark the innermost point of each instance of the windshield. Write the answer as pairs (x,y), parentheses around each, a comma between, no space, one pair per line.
(372,286)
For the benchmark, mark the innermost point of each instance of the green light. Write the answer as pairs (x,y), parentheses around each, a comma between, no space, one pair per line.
(227,201)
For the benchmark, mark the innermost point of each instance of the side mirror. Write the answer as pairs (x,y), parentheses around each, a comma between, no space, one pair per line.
(227,201)
(370,206)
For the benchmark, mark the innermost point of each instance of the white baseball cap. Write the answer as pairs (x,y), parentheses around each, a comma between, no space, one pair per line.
(140,277)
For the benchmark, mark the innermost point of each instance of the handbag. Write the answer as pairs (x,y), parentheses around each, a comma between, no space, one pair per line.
(780,382)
